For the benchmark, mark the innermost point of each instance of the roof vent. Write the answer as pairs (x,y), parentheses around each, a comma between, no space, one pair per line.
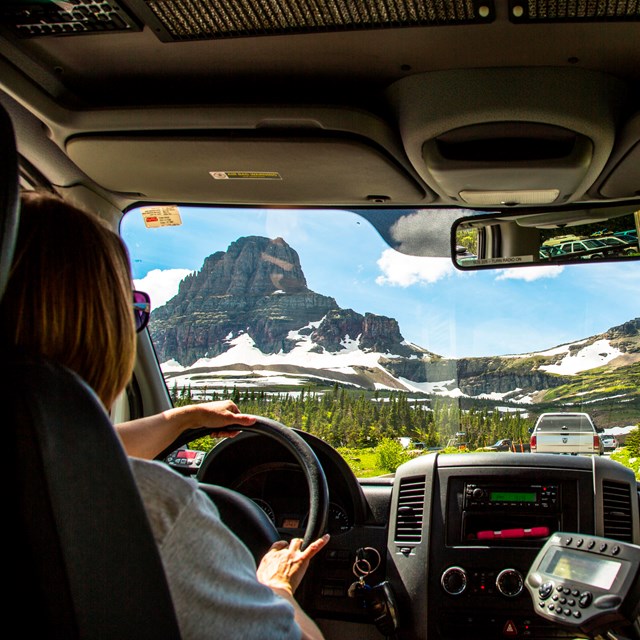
(409,515)
(592,11)
(617,514)
(180,20)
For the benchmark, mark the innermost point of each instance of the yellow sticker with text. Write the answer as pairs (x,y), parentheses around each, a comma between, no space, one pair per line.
(161,216)
(245,175)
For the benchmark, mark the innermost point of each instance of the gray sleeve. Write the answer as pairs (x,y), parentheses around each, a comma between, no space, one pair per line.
(211,573)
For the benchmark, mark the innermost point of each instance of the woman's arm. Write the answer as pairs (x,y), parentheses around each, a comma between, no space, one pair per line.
(147,437)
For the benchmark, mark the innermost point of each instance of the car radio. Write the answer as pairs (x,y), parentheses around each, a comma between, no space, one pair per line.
(587,583)
(531,497)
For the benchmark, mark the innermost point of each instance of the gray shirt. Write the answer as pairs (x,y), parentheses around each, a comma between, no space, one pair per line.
(211,573)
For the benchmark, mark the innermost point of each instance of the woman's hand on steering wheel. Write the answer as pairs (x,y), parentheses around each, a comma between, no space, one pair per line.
(285,564)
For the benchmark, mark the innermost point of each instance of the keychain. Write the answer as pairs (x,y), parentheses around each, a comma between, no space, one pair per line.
(361,569)
(378,600)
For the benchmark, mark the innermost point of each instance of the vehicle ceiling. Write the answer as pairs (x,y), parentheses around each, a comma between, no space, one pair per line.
(490,104)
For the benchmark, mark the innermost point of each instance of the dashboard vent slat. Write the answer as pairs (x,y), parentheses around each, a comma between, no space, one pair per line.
(617,511)
(410,513)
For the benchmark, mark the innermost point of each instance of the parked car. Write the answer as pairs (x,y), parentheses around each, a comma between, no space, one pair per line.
(572,433)
(631,235)
(507,444)
(609,443)
(623,245)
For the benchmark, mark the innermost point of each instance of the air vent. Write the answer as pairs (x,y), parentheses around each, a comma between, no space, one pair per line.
(410,510)
(617,515)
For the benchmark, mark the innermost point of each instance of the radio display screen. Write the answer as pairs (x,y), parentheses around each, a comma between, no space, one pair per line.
(582,567)
(513,496)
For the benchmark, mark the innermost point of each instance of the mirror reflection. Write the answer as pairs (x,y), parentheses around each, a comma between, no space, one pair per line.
(556,237)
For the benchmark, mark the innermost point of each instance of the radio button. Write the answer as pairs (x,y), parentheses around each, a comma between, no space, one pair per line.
(454,580)
(510,583)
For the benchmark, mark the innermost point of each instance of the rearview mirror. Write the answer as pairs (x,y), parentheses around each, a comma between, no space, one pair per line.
(549,237)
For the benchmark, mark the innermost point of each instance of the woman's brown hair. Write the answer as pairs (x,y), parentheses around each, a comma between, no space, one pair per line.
(69,295)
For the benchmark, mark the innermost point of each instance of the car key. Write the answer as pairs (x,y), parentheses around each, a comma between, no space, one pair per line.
(382,604)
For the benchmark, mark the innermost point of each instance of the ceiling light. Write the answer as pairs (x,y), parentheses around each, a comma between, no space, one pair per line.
(507,198)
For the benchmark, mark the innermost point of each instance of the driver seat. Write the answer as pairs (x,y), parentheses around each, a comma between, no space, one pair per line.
(84,560)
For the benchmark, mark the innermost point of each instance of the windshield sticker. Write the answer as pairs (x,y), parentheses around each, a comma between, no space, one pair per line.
(245,175)
(167,216)
(505,260)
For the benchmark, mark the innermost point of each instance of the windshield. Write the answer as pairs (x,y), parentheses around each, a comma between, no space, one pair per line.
(309,317)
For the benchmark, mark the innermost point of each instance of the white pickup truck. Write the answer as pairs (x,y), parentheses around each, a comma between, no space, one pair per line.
(572,433)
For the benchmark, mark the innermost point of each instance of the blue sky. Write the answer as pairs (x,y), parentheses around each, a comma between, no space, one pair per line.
(447,311)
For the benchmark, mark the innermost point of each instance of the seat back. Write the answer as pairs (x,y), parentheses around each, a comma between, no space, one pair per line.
(86,563)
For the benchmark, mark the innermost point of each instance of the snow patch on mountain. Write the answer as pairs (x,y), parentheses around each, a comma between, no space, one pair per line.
(592,356)
(243,350)
(442,388)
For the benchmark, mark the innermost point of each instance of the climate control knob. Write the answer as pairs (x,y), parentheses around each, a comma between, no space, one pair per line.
(510,582)
(454,580)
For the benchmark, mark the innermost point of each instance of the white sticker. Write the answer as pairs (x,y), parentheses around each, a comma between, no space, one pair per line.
(508,260)
(161,216)
(245,175)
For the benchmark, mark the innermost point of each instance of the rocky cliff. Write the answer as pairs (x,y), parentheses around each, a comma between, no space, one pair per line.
(257,287)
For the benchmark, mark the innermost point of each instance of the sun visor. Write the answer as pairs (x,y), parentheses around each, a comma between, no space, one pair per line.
(512,136)
(244,169)
(622,173)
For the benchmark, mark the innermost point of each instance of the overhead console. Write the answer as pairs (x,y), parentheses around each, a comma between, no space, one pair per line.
(466,528)
(544,140)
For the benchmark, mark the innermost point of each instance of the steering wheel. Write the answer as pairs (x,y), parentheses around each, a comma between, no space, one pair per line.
(241,514)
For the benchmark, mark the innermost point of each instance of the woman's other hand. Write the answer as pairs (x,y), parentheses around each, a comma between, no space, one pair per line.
(285,564)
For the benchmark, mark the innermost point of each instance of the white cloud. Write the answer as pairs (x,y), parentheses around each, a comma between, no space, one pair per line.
(402,270)
(529,274)
(161,285)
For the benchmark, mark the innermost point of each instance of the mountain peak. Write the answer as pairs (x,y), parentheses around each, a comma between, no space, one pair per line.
(253,266)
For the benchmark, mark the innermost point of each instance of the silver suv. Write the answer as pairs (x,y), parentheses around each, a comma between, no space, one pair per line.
(572,433)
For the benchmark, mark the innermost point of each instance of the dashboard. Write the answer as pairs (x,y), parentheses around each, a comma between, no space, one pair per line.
(280,490)
(457,534)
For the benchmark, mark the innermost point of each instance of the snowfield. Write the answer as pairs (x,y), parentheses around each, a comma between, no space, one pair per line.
(243,364)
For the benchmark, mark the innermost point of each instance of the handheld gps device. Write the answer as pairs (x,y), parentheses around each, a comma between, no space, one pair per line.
(588,583)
